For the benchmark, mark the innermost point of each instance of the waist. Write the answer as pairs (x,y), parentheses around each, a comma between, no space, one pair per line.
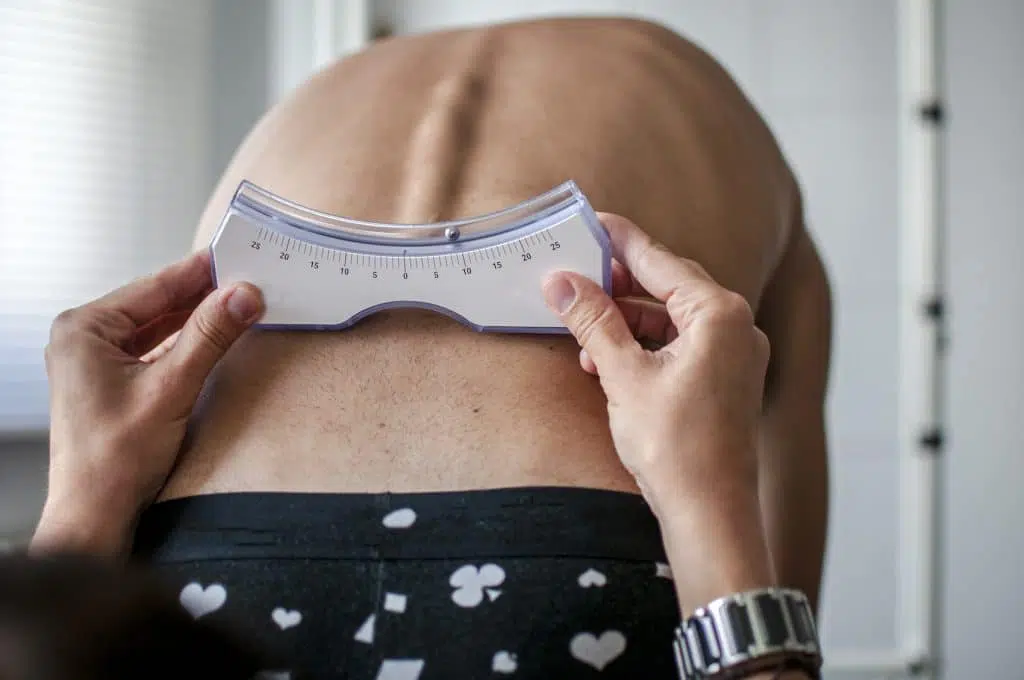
(513,522)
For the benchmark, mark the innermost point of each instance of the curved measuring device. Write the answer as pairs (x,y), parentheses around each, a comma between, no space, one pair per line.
(324,272)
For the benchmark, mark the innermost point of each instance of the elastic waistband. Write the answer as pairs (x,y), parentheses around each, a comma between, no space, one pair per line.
(520,522)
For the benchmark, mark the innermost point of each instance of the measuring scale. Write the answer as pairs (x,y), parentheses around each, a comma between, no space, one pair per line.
(324,272)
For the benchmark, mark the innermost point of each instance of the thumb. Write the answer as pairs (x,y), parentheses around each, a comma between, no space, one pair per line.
(209,332)
(593,318)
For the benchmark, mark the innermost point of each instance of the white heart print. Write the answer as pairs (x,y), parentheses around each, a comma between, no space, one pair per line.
(199,601)
(592,577)
(286,619)
(598,651)
(469,583)
(400,519)
(504,662)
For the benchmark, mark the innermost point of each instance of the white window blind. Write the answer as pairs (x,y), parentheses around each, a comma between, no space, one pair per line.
(104,162)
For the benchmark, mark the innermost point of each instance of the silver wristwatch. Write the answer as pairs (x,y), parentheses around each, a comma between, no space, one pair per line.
(742,634)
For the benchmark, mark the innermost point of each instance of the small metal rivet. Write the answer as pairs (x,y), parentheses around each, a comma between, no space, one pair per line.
(451,233)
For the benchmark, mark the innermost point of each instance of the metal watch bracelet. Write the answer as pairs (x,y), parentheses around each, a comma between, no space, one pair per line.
(745,633)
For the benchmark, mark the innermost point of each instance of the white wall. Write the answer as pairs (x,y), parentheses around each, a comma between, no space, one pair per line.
(985,544)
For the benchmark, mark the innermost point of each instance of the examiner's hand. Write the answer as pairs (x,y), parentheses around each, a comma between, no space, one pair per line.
(684,417)
(673,411)
(125,373)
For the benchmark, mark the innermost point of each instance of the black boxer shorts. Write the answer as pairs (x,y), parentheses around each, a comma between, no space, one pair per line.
(507,583)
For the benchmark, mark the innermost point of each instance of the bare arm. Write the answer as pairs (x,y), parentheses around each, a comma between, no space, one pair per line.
(796,315)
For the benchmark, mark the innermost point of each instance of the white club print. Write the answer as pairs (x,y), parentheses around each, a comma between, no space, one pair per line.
(400,519)
(199,601)
(400,669)
(598,651)
(662,570)
(285,618)
(366,631)
(471,583)
(591,578)
(504,662)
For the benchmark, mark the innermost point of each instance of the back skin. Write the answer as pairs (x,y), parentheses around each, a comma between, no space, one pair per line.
(463,122)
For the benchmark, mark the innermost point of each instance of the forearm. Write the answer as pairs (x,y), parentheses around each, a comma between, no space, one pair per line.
(715,545)
(794,500)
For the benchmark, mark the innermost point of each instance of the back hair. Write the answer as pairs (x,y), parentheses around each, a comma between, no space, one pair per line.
(71,617)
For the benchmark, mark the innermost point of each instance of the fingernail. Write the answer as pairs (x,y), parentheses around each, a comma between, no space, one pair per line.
(243,304)
(559,294)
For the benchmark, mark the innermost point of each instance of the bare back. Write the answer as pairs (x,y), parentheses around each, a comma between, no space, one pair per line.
(456,124)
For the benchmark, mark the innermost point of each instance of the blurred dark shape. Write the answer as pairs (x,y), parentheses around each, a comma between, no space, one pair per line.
(66,617)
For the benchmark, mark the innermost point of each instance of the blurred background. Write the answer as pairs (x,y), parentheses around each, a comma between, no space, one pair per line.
(117,116)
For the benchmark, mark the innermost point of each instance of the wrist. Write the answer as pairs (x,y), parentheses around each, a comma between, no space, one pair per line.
(67,526)
(716,545)
(681,470)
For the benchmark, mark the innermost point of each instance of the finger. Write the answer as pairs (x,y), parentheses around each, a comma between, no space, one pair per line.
(205,338)
(156,331)
(622,280)
(658,271)
(648,320)
(593,318)
(149,298)
(154,334)
(623,283)
(161,350)
(587,363)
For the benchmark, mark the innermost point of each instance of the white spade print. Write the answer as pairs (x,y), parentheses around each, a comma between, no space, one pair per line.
(504,662)
(598,651)
(470,582)
(592,577)
(662,570)
(365,632)
(400,669)
(199,601)
(400,519)
(285,618)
